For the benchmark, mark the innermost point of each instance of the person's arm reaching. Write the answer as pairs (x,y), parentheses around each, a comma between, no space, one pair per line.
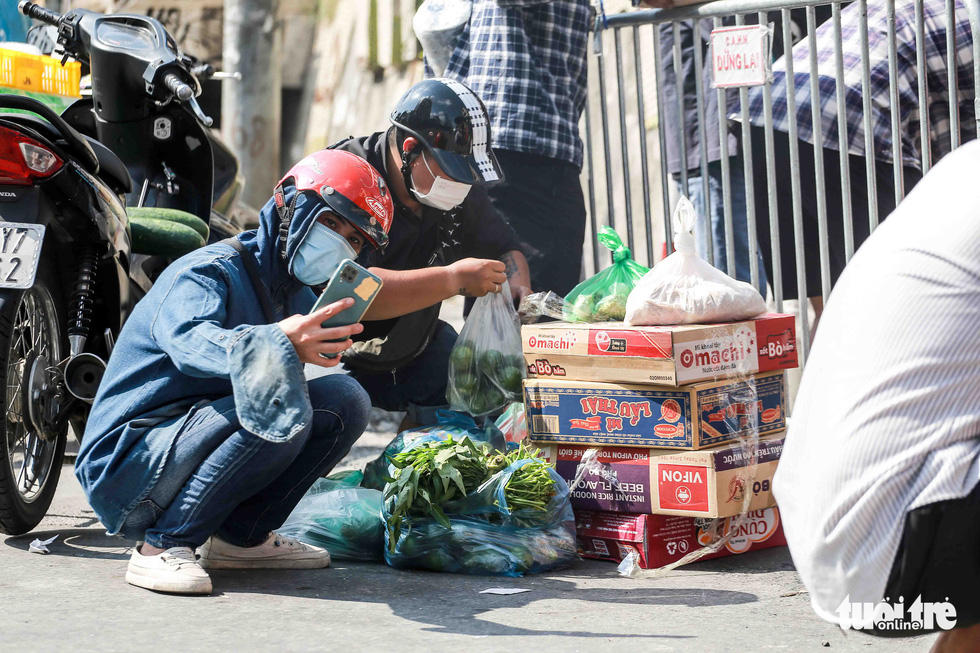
(518,274)
(407,291)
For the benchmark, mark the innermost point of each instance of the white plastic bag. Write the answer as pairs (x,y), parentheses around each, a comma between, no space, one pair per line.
(685,289)
(437,23)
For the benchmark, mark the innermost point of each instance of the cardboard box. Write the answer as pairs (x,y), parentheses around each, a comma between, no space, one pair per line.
(692,417)
(660,540)
(675,355)
(708,483)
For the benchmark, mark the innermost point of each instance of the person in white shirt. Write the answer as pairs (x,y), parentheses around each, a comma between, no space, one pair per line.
(878,483)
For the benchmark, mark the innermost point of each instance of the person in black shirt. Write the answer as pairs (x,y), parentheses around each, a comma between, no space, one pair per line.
(446,240)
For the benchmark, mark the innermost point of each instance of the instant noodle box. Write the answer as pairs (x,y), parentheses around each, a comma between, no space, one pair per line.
(660,540)
(692,417)
(707,483)
(667,355)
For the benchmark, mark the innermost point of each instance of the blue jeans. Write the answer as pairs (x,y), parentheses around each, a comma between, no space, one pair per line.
(220,479)
(419,387)
(739,221)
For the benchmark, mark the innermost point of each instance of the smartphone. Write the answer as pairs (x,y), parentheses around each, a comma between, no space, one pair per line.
(350,280)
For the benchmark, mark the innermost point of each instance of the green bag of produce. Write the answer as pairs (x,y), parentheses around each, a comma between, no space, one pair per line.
(451,424)
(517,521)
(486,367)
(337,514)
(602,298)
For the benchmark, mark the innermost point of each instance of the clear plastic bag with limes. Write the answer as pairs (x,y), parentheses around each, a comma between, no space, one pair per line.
(486,367)
(602,298)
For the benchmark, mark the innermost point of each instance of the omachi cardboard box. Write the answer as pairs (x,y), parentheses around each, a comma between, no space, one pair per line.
(706,483)
(693,417)
(660,540)
(670,355)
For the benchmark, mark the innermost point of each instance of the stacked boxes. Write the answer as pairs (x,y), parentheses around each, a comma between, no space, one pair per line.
(660,415)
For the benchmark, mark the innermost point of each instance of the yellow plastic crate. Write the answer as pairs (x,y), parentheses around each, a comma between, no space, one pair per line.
(33,72)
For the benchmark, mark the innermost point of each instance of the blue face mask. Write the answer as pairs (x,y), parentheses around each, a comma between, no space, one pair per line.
(320,254)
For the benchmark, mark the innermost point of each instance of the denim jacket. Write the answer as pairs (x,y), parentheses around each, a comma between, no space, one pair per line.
(199,334)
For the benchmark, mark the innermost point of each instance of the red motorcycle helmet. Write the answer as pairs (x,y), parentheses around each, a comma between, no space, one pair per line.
(348,185)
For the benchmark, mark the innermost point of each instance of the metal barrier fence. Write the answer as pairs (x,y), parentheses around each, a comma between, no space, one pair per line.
(621,164)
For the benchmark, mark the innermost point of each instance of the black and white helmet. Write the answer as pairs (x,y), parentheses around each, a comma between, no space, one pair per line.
(452,124)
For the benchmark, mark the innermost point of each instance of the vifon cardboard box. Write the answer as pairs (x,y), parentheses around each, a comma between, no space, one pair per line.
(661,539)
(673,355)
(706,483)
(693,417)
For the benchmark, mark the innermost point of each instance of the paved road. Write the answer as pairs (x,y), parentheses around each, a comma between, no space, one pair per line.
(75,598)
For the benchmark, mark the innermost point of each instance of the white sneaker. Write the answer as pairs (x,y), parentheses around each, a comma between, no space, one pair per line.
(277,552)
(175,571)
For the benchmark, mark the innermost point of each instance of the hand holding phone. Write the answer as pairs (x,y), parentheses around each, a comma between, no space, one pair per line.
(315,344)
(350,281)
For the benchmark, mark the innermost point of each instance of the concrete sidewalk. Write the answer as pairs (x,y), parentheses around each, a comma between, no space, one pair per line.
(75,598)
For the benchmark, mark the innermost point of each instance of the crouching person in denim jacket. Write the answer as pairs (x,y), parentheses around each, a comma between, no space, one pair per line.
(205,432)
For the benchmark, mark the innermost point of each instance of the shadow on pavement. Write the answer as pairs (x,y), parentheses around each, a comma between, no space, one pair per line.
(77,543)
(450,603)
(766,561)
(445,603)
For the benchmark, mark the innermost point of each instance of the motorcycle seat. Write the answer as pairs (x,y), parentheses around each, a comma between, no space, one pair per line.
(165,232)
(111,168)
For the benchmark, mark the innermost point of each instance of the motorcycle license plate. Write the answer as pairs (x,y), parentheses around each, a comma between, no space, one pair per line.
(20,252)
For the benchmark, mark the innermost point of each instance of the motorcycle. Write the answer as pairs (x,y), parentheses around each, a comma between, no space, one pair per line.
(228,215)
(72,265)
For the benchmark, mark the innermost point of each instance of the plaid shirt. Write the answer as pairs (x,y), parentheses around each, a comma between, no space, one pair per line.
(526,59)
(937,100)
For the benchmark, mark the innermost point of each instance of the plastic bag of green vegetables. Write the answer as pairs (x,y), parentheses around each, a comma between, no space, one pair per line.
(337,514)
(451,424)
(602,298)
(518,521)
(486,367)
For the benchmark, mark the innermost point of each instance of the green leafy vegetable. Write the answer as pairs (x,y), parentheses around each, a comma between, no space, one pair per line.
(430,475)
(530,486)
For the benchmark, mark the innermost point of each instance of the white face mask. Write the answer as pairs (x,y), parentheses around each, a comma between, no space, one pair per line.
(444,194)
